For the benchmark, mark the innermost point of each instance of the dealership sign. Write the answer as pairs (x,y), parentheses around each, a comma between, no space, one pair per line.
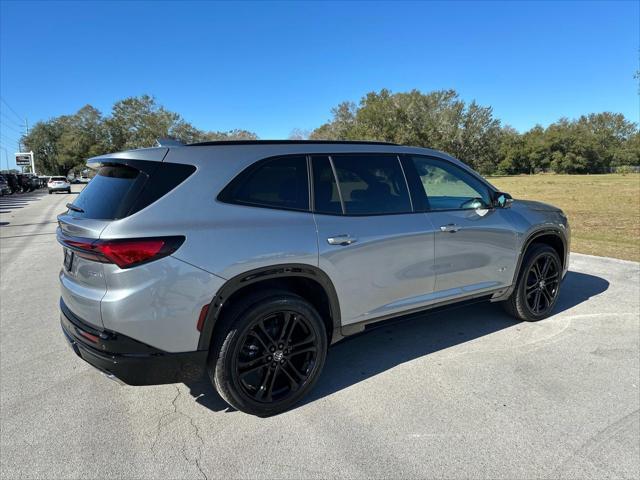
(24,158)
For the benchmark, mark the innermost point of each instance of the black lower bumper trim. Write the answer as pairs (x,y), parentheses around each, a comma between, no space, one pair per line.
(148,366)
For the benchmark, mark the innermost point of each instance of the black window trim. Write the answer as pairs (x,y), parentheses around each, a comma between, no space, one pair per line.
(423,198)
(222,195)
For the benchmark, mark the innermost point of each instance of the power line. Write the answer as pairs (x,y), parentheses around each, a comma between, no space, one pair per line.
(3,126)
(22,120)
(11,121)
(9,141)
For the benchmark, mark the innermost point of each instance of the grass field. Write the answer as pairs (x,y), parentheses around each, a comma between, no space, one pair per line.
(603,210)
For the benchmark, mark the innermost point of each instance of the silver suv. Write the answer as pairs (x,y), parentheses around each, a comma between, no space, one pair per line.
(247,259)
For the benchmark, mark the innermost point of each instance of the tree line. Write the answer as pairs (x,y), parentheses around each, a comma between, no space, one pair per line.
(440,120)
(64,143)
(593,143)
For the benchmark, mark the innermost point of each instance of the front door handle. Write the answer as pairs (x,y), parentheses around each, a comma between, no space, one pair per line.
(450,227)
(343,240)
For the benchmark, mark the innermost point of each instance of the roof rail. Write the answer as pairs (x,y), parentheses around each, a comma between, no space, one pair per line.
(286,142)
(168,142)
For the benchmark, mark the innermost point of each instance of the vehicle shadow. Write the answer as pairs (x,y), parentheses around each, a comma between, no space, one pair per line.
(365,355)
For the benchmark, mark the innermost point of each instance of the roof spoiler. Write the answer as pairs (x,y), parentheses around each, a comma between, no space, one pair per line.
(168,142)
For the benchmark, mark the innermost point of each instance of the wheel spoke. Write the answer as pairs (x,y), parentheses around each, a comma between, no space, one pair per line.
(292,381)
(303,342)
(536,272)
(530,289)
(260,361)
(263,330)
(312,348)
(552,276)
(294,323)
(267,385)
(299,375)
(250,369)
(255,335)
(545,267)
(271,383)
(548,296)
(536,302)
(285,326)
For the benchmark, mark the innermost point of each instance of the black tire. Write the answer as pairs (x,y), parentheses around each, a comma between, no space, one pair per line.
(538,285)
(281,363)
(68,190)
(50,192)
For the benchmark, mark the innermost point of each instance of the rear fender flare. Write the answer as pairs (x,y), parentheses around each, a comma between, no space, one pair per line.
(269,273)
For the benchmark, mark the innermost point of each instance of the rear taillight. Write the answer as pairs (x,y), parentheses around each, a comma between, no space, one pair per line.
(125,253)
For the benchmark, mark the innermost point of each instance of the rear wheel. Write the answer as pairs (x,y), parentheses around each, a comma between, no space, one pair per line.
(270,354)
(538,286)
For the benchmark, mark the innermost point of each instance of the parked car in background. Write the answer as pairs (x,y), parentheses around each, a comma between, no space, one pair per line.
(84,179)
(33,182)
(247,259)
(59,184)
(14,182)
(5,189)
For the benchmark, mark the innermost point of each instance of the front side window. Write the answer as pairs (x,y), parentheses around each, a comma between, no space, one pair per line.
(448,187)
(276,183)
(371,184)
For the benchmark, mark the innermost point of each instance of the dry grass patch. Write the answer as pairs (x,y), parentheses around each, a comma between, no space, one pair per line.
(603,210)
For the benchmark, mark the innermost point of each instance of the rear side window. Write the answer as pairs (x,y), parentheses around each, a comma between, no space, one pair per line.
(280,183)
(119,190)
(372,184)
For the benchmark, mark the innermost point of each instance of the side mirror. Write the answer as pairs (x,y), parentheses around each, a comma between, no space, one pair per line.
(502,200)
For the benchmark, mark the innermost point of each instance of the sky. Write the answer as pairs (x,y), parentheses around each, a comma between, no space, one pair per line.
(270,67)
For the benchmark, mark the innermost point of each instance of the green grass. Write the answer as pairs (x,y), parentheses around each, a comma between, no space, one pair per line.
(603,210)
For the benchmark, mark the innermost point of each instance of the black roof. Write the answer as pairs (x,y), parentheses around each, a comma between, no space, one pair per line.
(286,142)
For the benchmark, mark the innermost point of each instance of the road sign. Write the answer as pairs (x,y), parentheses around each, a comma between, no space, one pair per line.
(23,159)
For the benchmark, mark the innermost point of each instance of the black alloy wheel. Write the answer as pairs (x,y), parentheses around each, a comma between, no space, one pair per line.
(269,353)
(542,283)
(276,356)
(538,286)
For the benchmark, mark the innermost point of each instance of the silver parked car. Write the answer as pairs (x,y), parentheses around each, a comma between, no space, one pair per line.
(247,259)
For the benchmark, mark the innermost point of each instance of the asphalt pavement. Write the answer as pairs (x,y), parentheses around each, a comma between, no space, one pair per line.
(464,393)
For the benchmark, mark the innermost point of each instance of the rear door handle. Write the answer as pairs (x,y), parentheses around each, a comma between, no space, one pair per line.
(450,227)
(341,240)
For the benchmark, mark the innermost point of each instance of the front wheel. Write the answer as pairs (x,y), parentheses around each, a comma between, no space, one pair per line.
(538,285)
(270,353)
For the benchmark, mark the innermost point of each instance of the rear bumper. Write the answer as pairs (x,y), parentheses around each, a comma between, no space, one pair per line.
(130,361)
(59,189)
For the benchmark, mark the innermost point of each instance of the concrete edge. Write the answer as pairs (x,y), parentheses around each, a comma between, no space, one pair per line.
(608,259)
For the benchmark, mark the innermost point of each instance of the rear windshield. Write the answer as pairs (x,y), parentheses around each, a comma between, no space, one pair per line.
(57,179)
(120,190)
(102,198)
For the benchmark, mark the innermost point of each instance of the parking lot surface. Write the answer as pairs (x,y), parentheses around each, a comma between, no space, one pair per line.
(463,393)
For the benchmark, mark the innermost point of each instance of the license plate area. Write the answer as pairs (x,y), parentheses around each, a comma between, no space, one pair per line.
(68,259)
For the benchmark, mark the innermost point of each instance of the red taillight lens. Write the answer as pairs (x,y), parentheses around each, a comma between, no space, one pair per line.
(128,253)
(125,253)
